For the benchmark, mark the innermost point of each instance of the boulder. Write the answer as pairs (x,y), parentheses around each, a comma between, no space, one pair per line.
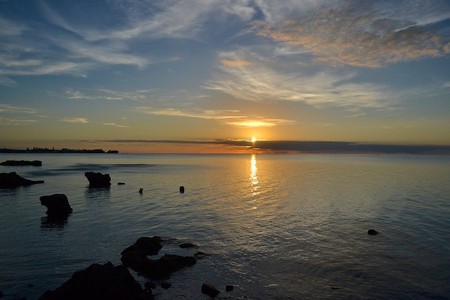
(12,180)
(98,179)
(35,163)
(210,290)
(58,206)
(100,282)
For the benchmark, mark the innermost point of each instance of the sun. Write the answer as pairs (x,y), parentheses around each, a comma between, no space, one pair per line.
(253,139)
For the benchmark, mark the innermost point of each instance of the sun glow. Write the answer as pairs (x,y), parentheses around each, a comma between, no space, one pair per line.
(253,139)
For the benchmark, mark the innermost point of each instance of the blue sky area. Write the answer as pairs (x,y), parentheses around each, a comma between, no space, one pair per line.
(97,71)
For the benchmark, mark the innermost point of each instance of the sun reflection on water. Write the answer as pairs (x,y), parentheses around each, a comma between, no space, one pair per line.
(254,176)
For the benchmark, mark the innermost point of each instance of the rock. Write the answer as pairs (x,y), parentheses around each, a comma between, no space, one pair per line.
(1,294)
(210,290)
(229,288)
(372,232)
(141,190)
(98,179)
(58,206)
(121,183)
(162,267)
(166,285)
(181,189)
(99,282)
(200,254)
(35,163)
(187,245)
(12,180)
(149,285)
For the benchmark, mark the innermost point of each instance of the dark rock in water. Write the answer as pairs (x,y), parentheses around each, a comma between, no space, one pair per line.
(210,290)
(121,183)
(181,189)
(98,179)
(58,206)
(35,163)
(149,285)
(229,288)
(145,246)
(1,294)
(372,232)
(162,267)
(187,245)
(12,180)
(200,254)
(100,282)
(166,285)
(141,190)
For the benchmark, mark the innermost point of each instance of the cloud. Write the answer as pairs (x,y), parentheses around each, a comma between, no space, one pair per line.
(16,115)
(16,122)
(364,34)
(261,123)
(79,120)
(11,109)
(229,117)
(10,28)
(236,63)
(198,114)
(115,125)
(266,81)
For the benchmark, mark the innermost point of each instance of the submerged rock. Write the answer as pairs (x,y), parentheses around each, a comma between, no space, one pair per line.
(187,245)
(100,282)
(98,179)
(35,163)
(210,290)
(12,180)
(58,206)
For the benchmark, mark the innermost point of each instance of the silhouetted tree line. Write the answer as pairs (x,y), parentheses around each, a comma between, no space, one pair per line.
(53,150)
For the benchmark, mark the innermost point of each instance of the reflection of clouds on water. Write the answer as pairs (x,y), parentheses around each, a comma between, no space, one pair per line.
(254,176)
(98,193)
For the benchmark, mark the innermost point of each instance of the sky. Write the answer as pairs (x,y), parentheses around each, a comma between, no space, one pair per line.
(124,74)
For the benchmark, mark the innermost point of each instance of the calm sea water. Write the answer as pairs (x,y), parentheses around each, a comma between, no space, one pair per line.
(274,226)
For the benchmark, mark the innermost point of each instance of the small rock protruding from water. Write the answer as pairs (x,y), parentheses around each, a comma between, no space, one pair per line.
(181,189)
(57,206)
(98,179)
(210,290)
(229,288)
(121,183)
(141,190)
(372,232)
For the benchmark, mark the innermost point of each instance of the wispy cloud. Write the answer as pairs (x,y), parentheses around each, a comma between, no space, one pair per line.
(198,114)
(264,81)
(229,117)
(79,120)
(261,123)
(16,122)
(17,115)
(115,125)
(365,34)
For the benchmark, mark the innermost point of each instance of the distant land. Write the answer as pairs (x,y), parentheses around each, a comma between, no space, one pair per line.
(53,150)
(327,147)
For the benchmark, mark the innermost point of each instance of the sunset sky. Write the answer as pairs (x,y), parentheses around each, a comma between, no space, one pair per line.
(118,73)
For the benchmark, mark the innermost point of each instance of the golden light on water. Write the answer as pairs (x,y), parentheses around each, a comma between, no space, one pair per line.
(254,176)
(253,139)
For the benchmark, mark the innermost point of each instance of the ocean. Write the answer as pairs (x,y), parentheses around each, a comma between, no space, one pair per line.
(288,226)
